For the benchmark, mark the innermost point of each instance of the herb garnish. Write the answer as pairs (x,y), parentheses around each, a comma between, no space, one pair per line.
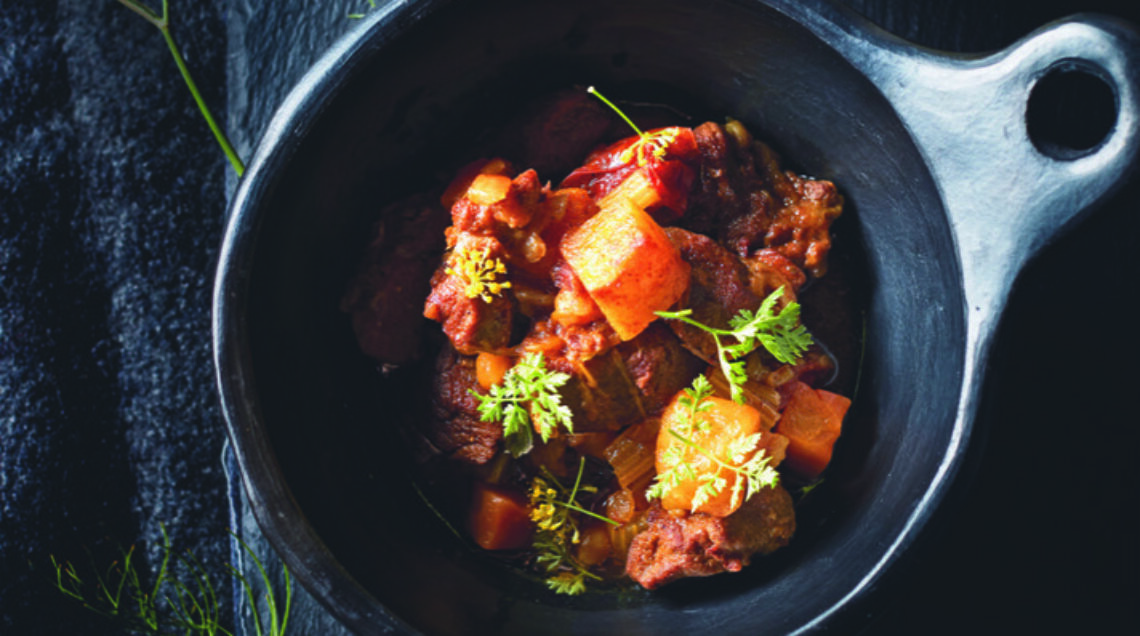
(753,474)
(357,16)
(162,23)
(529,391)
(183,596)
(655,144)
(558,531)
(479,273)
(779,333)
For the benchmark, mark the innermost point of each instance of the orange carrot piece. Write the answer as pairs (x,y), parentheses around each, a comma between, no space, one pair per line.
(838,403)
(499,519)
(627,264)
(490,369)
(727,421)
(811,420)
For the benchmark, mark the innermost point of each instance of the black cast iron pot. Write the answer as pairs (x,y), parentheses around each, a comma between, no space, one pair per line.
(949,194)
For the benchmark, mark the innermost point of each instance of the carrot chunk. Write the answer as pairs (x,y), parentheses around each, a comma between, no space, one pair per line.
(627,264)
(490,369)
(724,422)
(499,519)
(811,421)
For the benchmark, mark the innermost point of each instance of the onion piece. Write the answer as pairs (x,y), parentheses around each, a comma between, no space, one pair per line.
(633,458)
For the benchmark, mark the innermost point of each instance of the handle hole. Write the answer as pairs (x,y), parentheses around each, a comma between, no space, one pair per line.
(1071,111)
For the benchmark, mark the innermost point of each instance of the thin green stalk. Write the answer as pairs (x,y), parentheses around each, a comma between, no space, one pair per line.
(593,91)
(162,23)
(183,598)
(357,16)
(277,620)
(571,504)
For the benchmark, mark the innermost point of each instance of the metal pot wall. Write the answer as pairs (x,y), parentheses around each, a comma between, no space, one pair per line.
(948,197)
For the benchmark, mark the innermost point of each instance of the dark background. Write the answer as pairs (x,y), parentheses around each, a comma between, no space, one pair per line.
(112,204)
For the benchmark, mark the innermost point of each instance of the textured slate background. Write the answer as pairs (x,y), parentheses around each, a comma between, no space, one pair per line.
(112,202)
(112,205)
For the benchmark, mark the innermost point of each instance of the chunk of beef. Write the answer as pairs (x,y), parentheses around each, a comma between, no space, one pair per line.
(603,395)
(385,297)
(471,324)
(718,290)
(614,387)
(749,202)
(659,366)
(769,270)
(723,182)
(798,226)
(746,232)
(455,429)
(673,547)
(495,213)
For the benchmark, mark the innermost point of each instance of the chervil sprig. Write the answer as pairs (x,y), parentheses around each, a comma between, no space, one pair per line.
(693,400)
(479,274)
(752,473)
(527,394)
(779,333)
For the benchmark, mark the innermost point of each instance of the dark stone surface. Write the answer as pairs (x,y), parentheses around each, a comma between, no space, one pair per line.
(112,204)
(112,201)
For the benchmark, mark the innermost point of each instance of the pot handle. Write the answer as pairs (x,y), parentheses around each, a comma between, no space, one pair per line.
(1007,192)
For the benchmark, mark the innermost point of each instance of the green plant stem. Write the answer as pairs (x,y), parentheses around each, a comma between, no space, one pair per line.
(704,451)
(162,23)
(572,505)
(593,91)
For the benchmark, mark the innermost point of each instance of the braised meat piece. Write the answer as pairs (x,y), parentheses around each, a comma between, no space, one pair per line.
(490,210)
(718,290)
(673,547)
(724,181)
(770,270)
(384,299)
(472,324)
(659,366)
(789,213)
(455,429)
(745,198)
(603,395)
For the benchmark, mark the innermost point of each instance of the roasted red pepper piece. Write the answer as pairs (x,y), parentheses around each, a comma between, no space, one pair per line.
(663,159)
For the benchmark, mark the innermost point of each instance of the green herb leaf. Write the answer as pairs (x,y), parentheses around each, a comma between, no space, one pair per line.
(568,583)
(527,398)
(781,334)
(753,473)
